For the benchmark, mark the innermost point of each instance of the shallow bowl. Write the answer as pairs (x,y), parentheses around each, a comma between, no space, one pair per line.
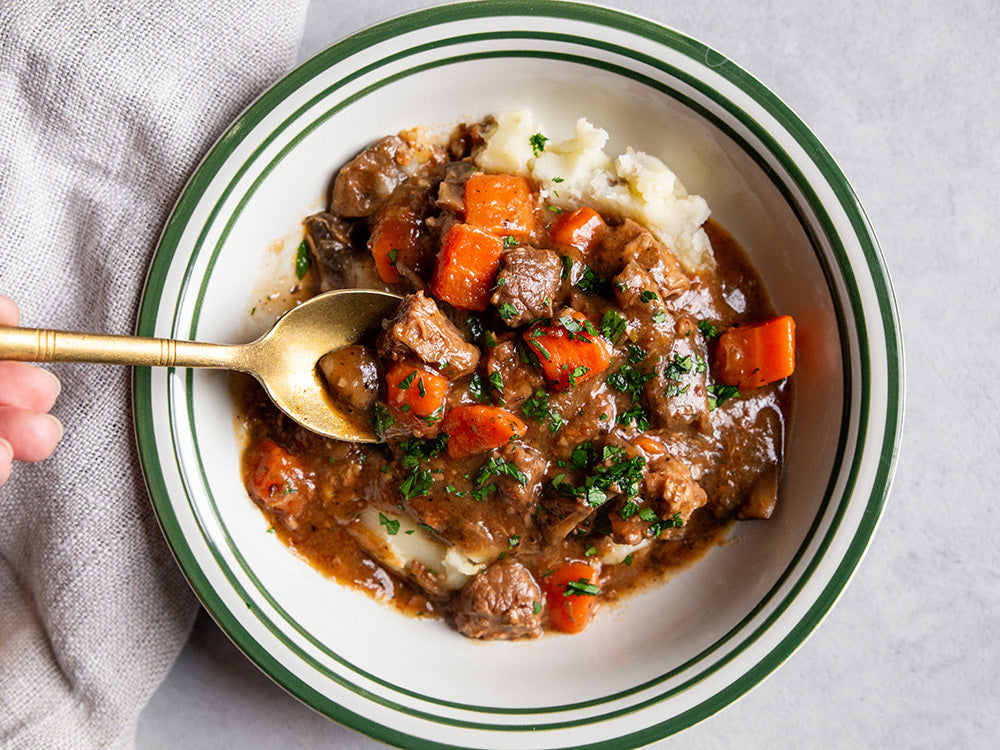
(655,663)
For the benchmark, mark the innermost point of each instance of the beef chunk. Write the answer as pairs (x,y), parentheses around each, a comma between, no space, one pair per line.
(333,254)
(518,378)
(661,264)
(364,184)
(527,282)
(500,603)
(630,242)
(669,497)
(451,189)
(533,465)
(420,328)
(678,391)
(635,289)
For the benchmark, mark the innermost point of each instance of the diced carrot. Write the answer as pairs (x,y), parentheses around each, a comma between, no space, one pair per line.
(571,592)
(582,229)
(278,480)
(569,350)
(478,428)
(467,266)
(753,355)
(395,239)
(499,203)
(415,390)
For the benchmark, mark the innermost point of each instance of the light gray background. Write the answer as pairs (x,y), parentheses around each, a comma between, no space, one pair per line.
(904,95)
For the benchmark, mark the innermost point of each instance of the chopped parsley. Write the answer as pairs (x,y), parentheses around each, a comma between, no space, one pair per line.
(719,394)
(708,329)
(613,326)
(507,311)
(536,607)
(302,260)
(537,407)
(406,382)
(581,587)
(391,524)
(607,470)
(393,254)
(509,241)
(647,296)
(592,283)
(381,418)
(477,387)
(495,466)
(537,142)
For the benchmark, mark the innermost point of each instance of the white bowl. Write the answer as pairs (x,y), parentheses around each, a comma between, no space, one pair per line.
(658,662)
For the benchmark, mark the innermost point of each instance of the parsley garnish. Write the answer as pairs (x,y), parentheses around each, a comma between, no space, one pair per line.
(591,283)
(613,326)
(708,330)
(495,467)
(302,260)
(391,525)
(647,296)
(477,387)
(719,394)
(581,587)
(393,254)
(509,241)
(406,382)
(507,311)
(537,407)
(537,142)
(381,418)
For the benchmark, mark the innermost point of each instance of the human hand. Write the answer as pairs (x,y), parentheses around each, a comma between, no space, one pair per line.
(27,431)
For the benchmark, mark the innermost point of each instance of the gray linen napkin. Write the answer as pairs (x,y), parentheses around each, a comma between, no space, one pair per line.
(105,109)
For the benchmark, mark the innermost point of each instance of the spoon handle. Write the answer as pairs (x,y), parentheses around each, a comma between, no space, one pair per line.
(45,345)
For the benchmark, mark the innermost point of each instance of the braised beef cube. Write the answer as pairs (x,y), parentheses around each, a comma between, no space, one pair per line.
(364,184)
(451,190)
(331,250)
(558,515)
(635,290)
(420,329)
(527,284)
(661,264)
(587,410)
(517,379)
(668,497)
(678,392)
(502,602)
(532,464)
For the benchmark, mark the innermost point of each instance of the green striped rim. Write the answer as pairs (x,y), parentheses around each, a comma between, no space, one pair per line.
(213,163)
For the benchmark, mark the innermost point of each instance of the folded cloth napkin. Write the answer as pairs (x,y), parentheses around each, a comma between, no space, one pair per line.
(105,109)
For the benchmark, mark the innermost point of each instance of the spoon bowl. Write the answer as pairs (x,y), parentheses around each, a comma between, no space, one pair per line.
(284,359)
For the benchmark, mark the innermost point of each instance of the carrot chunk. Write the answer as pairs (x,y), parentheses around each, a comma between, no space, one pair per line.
(753,355)
(479,428)
(582,229)
(571,592)
(416,390)
(467,265)
(278,480)
(396,239)
(499,203)
(569,350)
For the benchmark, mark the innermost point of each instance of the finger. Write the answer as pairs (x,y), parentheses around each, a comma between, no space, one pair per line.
(28,387)
(9,314)
(6,458)
(32,436)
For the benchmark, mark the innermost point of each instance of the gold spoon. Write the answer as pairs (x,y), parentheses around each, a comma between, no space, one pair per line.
(283,359)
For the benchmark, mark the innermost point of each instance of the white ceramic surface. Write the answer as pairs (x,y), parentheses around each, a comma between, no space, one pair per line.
(659,662)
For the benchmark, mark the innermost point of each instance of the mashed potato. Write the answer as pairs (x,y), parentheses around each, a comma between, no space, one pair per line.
(577,171)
